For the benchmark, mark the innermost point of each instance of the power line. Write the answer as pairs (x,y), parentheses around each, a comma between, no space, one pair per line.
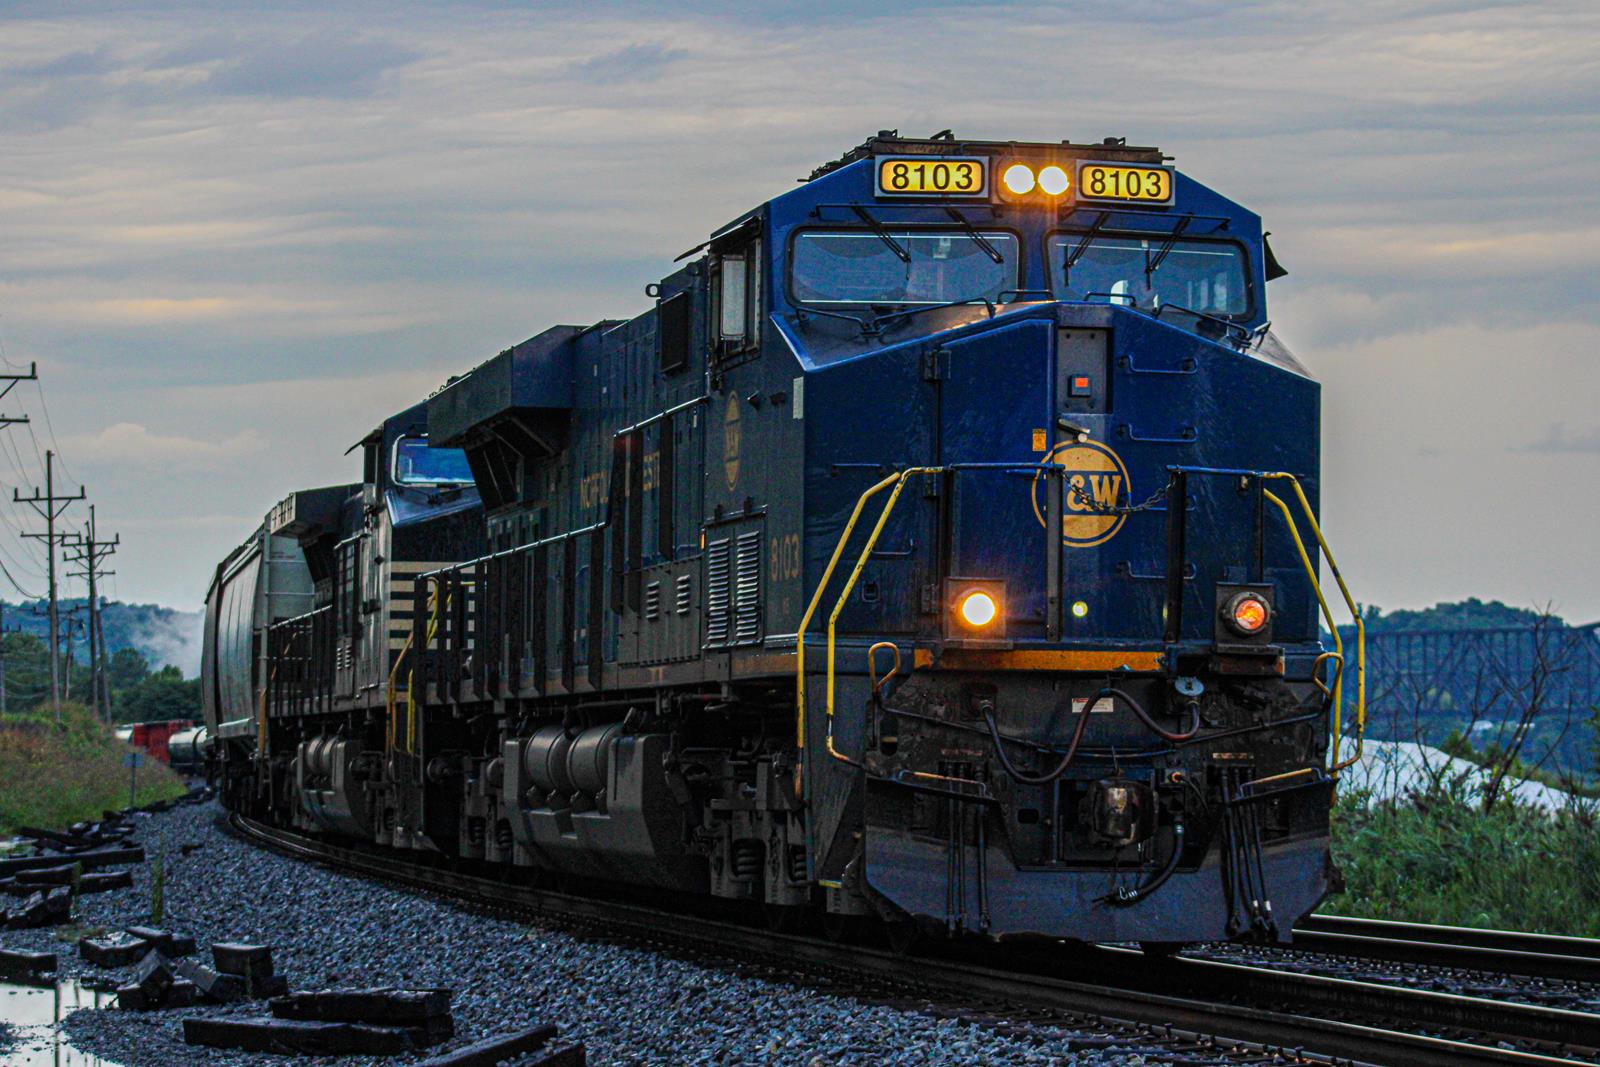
(48,509)
(16,584)
(48,425)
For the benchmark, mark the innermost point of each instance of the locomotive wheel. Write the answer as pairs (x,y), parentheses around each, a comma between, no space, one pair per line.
(903,935)
(783,918)
(840,929)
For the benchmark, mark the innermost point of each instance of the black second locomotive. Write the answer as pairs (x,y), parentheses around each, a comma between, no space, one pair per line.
(940,549)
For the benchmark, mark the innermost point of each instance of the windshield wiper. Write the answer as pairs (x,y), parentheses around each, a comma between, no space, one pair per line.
(1151,263)
(883,234)
(1083,246)
(977,238)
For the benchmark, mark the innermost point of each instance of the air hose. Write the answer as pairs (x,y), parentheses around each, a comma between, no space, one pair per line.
(1066,760)
(1124,898)
(1155,727)
(1077,735)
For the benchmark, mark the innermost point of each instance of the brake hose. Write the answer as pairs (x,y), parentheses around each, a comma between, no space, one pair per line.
(1124,898)
(1155,727)
(1060,768)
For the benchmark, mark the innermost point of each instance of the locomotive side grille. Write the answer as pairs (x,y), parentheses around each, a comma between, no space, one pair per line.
(719,594)
(652,601)
(685,592)
(747,599)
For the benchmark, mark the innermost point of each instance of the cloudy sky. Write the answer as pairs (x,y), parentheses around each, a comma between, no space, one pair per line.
(234,239)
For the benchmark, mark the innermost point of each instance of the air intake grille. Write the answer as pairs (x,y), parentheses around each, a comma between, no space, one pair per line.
(747,597)
(652,601)
(719,592)
(685,594)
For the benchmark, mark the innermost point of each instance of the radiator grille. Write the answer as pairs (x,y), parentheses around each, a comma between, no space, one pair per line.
(719,594)
(747,596)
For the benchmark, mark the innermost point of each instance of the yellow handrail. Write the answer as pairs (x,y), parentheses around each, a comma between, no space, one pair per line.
(811,609)
(855,574)
(1335,764)
(394,673)
(411,675)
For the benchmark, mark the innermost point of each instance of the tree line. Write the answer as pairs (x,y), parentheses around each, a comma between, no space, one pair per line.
(138,692)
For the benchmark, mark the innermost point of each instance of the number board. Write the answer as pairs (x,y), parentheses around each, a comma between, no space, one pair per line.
(932,176)
(1113,181)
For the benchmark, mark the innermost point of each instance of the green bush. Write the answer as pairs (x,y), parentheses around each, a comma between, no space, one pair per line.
(1442,859)
(52,776)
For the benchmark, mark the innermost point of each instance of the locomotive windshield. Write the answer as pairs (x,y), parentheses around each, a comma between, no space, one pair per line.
(1203,276)
(904,267)
(417,464)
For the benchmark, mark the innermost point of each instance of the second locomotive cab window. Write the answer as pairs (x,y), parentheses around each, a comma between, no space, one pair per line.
(1203,276)
(901,267)
(417,464)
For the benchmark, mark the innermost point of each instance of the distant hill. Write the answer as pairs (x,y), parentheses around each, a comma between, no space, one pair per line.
(164,636)
(1469,614)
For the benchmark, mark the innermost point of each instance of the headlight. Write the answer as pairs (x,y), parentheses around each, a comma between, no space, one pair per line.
(978,609)
(1018,178)
(1247,614)
(1053,180)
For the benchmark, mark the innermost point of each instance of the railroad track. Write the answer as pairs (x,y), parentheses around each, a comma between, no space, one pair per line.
(1497,951)
(1183,1010)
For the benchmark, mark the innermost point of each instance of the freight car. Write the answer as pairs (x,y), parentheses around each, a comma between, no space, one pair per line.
(188,751)
(939,550)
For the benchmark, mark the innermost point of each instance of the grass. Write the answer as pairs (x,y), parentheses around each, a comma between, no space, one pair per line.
(1441,859)
(52,777)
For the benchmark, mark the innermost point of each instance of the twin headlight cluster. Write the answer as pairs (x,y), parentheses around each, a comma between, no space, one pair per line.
(1020,179)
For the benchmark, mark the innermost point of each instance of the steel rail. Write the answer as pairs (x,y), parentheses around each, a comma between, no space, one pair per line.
(1162,1016)
(1470,948)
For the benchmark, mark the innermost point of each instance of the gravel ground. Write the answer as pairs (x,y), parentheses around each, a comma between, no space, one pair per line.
(628,1005)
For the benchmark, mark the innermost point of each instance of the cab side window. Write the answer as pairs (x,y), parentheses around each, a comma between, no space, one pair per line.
(738,298)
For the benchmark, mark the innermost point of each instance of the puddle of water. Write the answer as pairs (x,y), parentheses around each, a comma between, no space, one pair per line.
(34,1011)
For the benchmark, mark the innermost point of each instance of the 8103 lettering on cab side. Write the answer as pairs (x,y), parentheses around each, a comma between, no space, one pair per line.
(920,557)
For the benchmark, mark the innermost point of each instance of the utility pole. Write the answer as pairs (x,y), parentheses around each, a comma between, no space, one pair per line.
(50,508)
(11,381)
(105,660)
(70,623)
(91,553)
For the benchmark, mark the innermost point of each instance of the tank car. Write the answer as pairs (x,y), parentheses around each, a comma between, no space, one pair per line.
(189,750)
(939,549)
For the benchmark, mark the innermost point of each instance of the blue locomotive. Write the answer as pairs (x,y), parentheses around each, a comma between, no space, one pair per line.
(940,550)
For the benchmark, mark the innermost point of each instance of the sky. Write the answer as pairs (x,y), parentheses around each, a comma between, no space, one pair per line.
(235,239)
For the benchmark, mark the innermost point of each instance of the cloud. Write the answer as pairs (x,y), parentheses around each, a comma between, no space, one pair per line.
(339,65)
(69,65)
(634,62)
(1556,441)
(129,444)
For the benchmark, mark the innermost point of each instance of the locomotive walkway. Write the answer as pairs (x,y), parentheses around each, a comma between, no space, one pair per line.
(1177,1010)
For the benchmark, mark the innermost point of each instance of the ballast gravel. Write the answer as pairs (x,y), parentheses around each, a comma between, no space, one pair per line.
(629,1005)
